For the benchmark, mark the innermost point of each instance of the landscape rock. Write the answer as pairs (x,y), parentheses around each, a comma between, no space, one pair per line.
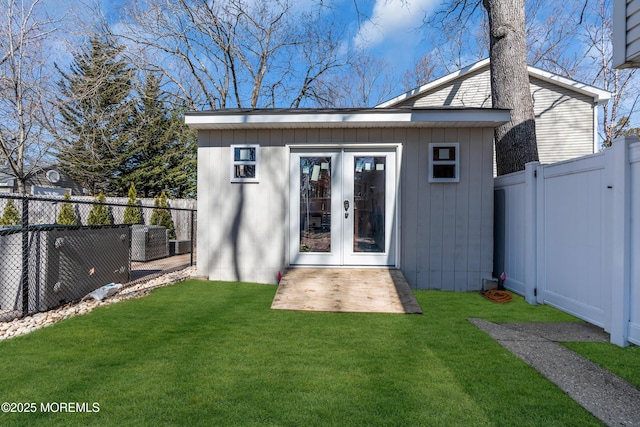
(37,321)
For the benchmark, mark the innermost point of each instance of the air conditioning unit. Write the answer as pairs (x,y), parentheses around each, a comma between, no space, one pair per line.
(179,247)
(149,242)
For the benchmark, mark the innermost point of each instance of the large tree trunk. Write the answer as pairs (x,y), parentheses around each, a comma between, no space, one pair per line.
(515,141)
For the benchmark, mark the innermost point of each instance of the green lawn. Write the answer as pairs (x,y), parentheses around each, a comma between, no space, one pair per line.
(214,354)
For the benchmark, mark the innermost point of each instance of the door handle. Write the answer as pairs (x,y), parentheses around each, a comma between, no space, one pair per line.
(346,205)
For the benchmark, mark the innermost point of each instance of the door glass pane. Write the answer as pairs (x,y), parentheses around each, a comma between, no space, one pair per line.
(369,204)
(315,204)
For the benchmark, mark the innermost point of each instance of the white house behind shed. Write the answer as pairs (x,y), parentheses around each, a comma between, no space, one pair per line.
(566,111)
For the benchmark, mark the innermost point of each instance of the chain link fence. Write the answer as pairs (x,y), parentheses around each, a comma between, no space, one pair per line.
(54,251)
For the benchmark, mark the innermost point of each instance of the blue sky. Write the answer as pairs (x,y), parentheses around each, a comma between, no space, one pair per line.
(392,23)
(389,29)
(394,28)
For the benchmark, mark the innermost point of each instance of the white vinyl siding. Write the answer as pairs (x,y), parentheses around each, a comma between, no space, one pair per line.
(474,90)
(564,122)
(564,118)
(626,33)
(633,29)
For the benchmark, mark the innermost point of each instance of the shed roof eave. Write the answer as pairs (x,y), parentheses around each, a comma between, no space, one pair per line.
(364,118)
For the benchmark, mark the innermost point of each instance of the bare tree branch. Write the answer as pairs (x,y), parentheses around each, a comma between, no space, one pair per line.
(25,88)
(236,53)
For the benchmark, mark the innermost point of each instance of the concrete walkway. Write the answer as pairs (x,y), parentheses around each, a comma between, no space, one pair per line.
(614,401)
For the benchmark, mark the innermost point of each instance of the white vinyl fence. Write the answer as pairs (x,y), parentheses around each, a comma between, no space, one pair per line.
(568,235)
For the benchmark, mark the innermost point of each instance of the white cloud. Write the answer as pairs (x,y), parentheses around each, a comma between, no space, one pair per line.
(392,19)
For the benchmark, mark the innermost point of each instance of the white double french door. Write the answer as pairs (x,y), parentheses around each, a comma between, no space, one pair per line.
(342,207)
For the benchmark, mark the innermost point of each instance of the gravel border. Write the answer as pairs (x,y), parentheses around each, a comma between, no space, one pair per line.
(138,289)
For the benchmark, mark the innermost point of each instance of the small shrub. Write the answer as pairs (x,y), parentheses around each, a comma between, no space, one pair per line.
(99,214)
(162,216)
(67,216)
(132,214)
(10,216)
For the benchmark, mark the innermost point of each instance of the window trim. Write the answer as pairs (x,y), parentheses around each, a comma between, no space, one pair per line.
(455,162)
(255,163)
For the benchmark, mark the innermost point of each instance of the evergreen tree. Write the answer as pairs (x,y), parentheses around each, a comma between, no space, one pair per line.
(99,214)
(162,216)
(162,150)
(96,109)
(184,174)
(67,216)
(132,214)
(10,215)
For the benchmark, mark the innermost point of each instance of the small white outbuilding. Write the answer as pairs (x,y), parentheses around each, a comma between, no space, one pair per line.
(407,188)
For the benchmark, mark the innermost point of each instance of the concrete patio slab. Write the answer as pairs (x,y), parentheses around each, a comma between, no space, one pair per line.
(351,290)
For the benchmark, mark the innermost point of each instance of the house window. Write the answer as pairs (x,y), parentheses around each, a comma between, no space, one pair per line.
(244,163)
(444,162)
